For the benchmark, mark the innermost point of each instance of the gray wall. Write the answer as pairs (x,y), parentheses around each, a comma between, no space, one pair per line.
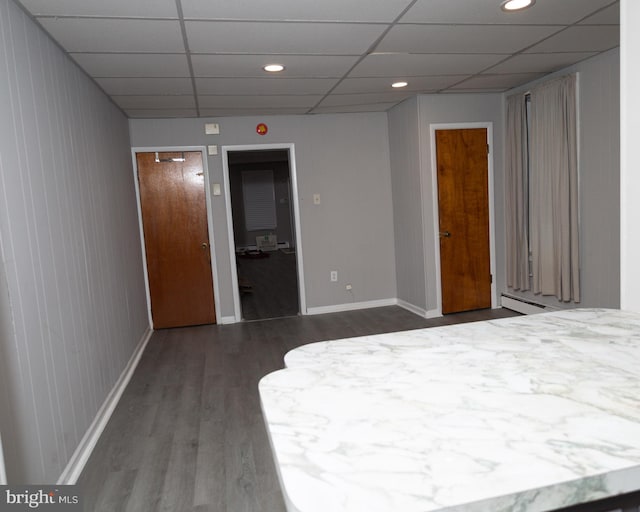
(73,307)
(599,177)
(342,157)
(599,137)
(406,172)
(410,142)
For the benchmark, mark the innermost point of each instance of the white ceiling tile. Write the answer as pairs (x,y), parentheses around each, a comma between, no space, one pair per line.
(230,101)
(383,84)
(352,109)
(325,10)
(295,38)
(561,12)
(365,99)
(256,111)
(539,62)
(109,35)
(580,38)
(151,86)
(402,64)
(462,38)
(251,65)
(152,102)
(165,113)
(608,16)
(497,82)
(440,45)
(132,65)
(264,85)
(123,8)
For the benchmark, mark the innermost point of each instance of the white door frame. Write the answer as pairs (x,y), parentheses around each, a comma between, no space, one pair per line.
(436,215)
(296,217)
(207,190)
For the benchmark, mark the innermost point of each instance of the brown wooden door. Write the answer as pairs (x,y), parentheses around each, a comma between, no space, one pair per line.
(174,219)
(463,205)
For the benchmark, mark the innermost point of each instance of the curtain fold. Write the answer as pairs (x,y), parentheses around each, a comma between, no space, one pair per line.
(516,200)
(554,190)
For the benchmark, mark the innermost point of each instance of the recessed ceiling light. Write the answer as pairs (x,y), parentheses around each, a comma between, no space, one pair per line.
(516,5)
(273,68)
(398,85)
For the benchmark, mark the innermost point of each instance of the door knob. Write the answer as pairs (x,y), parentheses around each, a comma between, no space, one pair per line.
(204,245)
(445,234)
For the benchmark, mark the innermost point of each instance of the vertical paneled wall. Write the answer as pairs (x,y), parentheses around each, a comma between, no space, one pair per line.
(406,185)
(75,305)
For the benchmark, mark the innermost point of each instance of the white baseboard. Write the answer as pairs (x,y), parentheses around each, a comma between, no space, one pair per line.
(431,313)
(351,306)
(411,308)
(227,320)
(82,453)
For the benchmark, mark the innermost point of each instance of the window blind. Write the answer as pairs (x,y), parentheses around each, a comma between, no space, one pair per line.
(259,200)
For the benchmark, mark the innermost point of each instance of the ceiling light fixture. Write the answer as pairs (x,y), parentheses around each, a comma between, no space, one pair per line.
(516,5)
(398,85)
(273,68)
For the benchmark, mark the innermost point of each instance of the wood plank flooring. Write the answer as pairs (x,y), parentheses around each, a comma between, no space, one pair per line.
(188,434)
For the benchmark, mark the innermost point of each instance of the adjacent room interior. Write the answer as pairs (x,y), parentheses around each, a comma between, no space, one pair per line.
(89,85)
(264,233)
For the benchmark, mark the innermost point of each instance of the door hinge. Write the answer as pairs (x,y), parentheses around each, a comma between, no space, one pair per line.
(488,149)
(491,278)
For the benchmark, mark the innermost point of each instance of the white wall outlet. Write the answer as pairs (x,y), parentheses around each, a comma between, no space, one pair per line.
(211,128)
(213,149)
(316,198)
(348,287)
(216,189)
(334,276)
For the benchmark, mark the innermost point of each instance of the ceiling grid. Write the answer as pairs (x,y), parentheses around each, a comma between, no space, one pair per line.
(196,58)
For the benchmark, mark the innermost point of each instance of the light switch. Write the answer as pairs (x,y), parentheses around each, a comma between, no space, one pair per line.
(216,189)
(213,149)
(211,128)
(316,198)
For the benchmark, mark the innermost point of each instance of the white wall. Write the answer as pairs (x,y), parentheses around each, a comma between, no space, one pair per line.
(73,307)
(342,157)
(599,177)
(630,170)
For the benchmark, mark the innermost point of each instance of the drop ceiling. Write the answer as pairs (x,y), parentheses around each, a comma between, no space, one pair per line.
(204,58)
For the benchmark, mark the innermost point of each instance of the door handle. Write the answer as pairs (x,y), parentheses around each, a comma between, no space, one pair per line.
(204,246)
(445,234)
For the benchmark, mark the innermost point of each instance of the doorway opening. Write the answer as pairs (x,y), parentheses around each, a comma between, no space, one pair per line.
(262,204)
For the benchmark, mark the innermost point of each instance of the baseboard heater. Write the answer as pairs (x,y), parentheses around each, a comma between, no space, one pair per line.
(523,306)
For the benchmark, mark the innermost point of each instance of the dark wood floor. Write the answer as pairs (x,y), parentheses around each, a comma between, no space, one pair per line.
(188,434)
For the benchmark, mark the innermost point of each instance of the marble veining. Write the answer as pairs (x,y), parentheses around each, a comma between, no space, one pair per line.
(526,413)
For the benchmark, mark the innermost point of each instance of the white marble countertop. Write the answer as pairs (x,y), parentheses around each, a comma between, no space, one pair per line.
(528,413)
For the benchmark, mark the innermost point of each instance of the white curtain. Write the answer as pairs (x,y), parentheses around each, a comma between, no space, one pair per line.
(516,189)
(553,176)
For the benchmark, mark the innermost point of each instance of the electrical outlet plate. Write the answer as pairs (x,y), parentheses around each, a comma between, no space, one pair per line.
(334,276)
